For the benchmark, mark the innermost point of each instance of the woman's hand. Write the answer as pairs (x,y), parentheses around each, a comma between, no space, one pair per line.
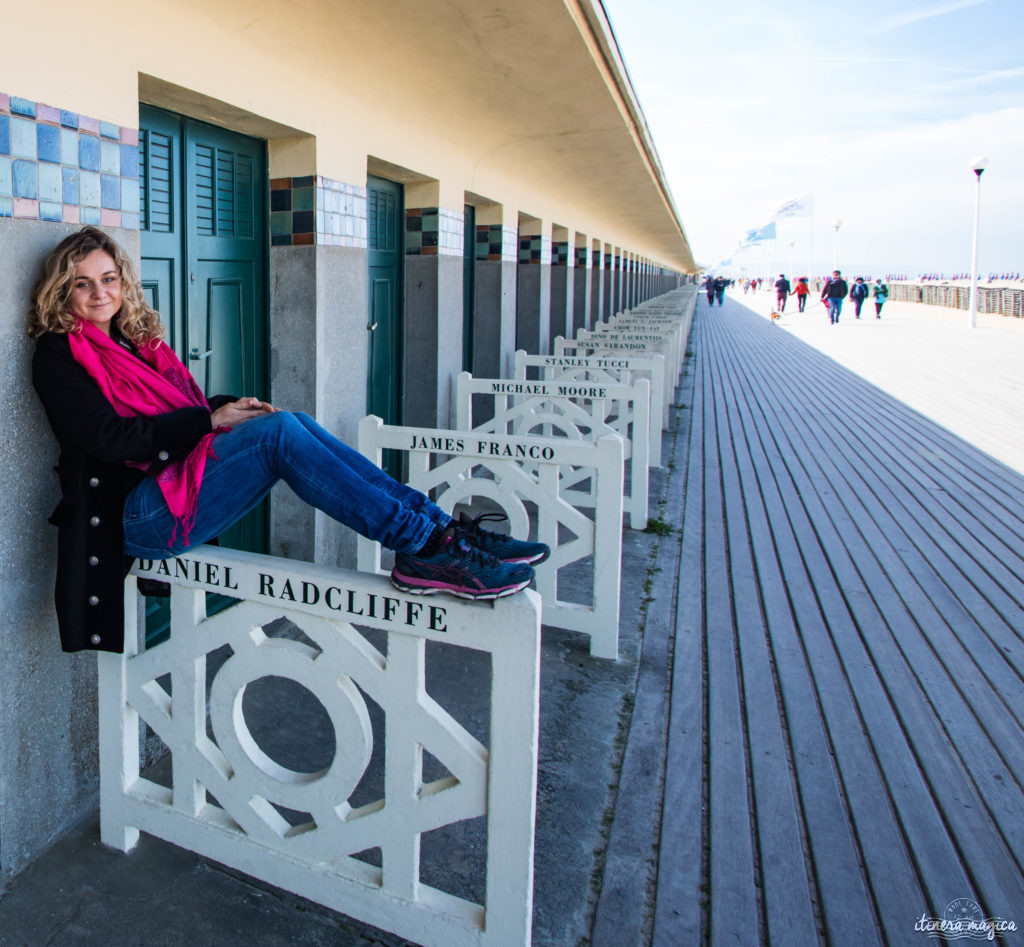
(235,412)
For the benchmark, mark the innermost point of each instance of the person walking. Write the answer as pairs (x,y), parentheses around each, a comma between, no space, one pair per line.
(720,285)
(832,295)
(880,294)
(858,293)
(709,288)
(782,291)
(802,290)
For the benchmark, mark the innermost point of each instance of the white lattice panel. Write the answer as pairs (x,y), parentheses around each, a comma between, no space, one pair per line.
(517,474)
(580,410)
(226,793)
(621,370)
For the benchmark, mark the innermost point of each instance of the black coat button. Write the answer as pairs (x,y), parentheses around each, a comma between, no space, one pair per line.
(95,639)
(94,521)
(94,481)
(93,561)
(94,600)
(163,455)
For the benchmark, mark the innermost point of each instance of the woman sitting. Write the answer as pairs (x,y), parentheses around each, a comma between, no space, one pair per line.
(148,467)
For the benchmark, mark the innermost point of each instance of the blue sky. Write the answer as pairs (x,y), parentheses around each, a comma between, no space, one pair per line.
(877,108)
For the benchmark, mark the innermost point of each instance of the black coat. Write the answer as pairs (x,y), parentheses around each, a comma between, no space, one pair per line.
(95,443)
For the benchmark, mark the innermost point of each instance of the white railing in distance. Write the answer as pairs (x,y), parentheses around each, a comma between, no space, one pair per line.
(511,473)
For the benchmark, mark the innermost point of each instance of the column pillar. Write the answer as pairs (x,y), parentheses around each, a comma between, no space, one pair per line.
(609,284)
(432,352)
(533,304)
(582,277)
(494,329)
(597,289)
(563,260)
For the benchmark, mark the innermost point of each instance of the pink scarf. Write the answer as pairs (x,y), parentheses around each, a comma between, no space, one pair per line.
(156,386)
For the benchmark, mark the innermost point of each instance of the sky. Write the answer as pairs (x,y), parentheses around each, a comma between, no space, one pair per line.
(876,108)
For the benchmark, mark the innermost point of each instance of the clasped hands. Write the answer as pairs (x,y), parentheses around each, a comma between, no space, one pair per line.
(235,412)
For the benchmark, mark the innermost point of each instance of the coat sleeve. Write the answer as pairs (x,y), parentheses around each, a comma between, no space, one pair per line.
(81,415)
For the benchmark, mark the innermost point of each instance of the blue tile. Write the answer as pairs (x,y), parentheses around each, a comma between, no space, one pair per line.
(130,221)
(6,206)
(129,161)
(110,157)
(49,182)
(88,153)
(50,211)
(69,147)
(23,138)
(69,185)
(23,107)
(110,130)
(69,119)
(91,215)
(129,195)
(5,176)
(5,135)
(48,143)
(110,192)
(89,189)
(26,179)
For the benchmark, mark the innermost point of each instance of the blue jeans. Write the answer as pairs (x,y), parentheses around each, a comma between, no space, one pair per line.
(322,470)
(835,306)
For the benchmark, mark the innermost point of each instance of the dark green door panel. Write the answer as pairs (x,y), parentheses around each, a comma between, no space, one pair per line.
(385,214)
(468,285)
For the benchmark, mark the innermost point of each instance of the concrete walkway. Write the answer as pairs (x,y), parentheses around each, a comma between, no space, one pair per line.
(846,738)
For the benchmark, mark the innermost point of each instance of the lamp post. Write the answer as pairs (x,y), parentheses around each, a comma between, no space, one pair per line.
(977,166)
(835,252)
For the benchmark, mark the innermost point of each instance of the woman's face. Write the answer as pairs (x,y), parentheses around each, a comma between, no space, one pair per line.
(96,290)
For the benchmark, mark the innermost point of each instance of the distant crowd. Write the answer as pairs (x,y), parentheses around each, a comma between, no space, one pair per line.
(942,278)
(832,290)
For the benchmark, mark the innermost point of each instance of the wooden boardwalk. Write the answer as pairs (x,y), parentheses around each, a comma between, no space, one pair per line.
(846,739)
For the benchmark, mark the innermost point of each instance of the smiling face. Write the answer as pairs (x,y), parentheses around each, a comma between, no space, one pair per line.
(96,290)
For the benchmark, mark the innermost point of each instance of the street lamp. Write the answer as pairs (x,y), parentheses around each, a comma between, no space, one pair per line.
(977,166)
(835,254)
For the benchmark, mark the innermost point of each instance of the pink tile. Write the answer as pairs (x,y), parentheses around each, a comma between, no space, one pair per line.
(47,113)
(5,102)
(129,136)
(91,125)
(110,218)
(72,214)
(23,207)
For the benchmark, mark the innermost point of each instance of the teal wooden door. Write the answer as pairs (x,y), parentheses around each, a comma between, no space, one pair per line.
(385,257)
(468,285)
(202,215)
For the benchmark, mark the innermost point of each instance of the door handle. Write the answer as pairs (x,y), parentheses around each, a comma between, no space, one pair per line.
(370,328)
(196,356)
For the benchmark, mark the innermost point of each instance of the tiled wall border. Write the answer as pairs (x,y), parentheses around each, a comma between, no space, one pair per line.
(534,248)
(433,231)
(560,254)
(583,256)
(60,166)
(312,209)
(497,243)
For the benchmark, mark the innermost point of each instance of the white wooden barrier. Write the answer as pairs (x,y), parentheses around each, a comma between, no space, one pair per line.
(623,370)
(578,410)
(512,472)
(240,826)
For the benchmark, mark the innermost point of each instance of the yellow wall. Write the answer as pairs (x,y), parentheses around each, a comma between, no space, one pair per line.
(510,101)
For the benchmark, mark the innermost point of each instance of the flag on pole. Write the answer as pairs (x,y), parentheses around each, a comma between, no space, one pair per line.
(802,206)
(767,232)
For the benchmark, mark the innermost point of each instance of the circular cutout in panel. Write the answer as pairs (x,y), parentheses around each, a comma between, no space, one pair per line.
(340,699)
(306,743)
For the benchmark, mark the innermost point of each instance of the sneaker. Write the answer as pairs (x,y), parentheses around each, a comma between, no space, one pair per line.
(459,569)
(500,545)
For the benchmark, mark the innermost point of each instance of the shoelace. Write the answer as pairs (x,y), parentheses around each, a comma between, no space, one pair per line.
(475,555)
(473,527)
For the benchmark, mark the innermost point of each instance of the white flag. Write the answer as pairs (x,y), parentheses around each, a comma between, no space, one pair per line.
(802,206)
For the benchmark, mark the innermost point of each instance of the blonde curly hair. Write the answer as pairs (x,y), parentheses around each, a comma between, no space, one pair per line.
(136,319)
